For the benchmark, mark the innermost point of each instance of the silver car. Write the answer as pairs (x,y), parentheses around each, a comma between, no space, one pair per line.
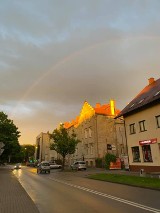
(79,165)
(43,167)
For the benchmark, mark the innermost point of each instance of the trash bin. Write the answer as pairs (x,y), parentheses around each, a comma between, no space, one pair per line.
(142,173)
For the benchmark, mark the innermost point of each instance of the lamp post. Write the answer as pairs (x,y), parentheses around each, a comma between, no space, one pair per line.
(25,153)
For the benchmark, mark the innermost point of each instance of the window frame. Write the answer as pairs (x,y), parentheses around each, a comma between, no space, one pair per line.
(90,132)
(86,133)
(91,149)
(158,121)
(148,153)
(136,152)
(132,129)
(142,127)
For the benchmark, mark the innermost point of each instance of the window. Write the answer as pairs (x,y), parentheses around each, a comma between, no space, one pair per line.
(147,156)
(136,154)
(157,93)
(131,105)
(132,128)
(141,101)
(76,151)
(91,149)
(142,126)
(159,146)
(85,133)
(158,121)
(90,132)
(86,148)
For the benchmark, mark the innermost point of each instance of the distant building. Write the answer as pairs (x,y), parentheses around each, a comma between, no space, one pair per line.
(142,124)
(98,132)
(43,151)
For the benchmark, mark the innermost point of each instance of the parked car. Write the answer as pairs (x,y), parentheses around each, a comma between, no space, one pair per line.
(17,166)
(53,165)
(44,166)
(79,165)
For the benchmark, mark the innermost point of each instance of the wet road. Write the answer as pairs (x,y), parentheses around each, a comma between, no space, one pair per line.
(70,192)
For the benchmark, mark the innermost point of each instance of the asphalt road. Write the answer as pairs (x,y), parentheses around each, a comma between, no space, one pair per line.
(72,192)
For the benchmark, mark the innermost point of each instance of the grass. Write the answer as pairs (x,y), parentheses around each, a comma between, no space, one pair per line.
(153,183)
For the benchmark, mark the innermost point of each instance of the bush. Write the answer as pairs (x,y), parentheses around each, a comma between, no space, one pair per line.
(108,159)
(98,162)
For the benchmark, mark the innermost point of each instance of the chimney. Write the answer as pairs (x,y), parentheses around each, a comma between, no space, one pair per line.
(151,80)
(98,105)
(112,106)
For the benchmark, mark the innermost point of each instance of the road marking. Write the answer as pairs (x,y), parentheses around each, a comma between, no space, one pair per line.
(108,196)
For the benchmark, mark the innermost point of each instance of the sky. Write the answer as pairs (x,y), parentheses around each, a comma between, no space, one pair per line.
(56,54)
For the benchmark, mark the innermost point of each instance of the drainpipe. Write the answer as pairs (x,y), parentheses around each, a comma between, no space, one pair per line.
(97,137)
(126,142)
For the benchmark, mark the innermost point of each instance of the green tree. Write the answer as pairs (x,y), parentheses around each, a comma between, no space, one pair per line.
(64,143)
(28,151)
(108,159)
(9,135)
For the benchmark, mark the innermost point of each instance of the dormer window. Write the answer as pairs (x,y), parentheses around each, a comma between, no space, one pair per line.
(157,93)
(141,101)
(131,105)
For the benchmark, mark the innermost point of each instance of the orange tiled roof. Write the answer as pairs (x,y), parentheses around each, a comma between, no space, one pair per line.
(89,111)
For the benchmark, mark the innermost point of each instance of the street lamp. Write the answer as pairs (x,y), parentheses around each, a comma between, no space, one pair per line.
(25,154)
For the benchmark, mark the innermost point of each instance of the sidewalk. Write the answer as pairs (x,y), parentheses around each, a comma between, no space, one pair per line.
(13,198)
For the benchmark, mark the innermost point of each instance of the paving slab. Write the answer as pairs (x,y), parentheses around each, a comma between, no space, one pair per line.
(13,197)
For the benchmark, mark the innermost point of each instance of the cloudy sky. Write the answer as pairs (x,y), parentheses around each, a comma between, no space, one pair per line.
(55,54)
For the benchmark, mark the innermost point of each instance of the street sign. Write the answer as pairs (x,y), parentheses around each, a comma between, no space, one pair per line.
(113,147)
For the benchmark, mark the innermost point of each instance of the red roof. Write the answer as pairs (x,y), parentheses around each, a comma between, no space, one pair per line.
(105,110)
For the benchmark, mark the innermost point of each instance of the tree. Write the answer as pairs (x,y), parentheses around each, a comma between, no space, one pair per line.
(108,159)
(28,151)
(64,143)
(9,135)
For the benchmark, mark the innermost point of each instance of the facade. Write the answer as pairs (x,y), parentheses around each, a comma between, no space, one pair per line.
(43,151)
(99,133)
(142,124)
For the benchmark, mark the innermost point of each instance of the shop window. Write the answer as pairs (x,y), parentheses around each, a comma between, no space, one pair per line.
(136,154)
(142,126)
(147,155)
(132,128)
(158,121)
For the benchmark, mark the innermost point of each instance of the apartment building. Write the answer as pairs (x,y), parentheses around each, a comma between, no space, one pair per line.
(142,124)
(98,132)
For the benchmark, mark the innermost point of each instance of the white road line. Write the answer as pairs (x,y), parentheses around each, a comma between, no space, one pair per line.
(137,205)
